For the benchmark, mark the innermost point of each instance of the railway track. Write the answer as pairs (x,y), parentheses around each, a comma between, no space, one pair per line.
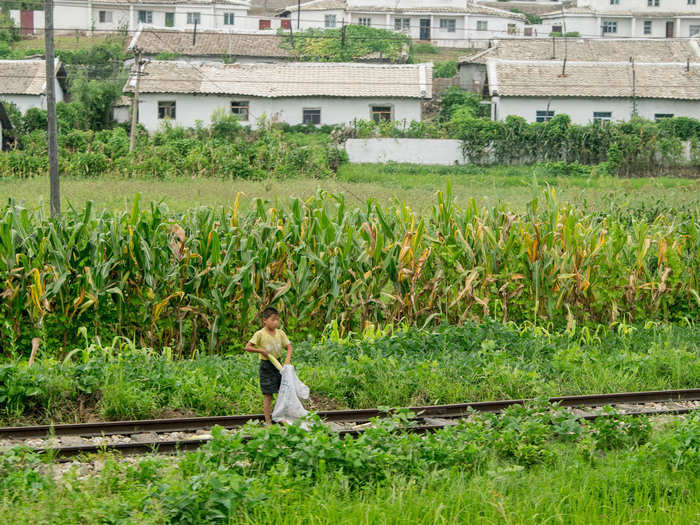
(138,437)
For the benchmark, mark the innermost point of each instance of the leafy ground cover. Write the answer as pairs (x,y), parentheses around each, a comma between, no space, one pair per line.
(521,467)
(446,364)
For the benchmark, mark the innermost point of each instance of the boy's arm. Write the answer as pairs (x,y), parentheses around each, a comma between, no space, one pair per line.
(250,347)
(288,360)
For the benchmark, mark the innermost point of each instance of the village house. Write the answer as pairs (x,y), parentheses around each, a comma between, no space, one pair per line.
(627,18)
(185,93)
(589,91)
(24,83)
(473,72)
(446,23)
(211,45)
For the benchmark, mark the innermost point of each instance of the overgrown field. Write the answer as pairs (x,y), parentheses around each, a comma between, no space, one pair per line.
(446,364)
(520,467)
(201,277)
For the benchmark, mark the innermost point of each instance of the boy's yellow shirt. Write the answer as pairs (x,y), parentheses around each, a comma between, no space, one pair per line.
(274,344)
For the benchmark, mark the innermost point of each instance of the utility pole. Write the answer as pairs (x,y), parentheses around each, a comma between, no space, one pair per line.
(298,14)
(135,101)
(51,111)
(342,35)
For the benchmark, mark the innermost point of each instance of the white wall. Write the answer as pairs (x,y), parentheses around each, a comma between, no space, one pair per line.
(413,151)
(581,109)
(590,25)
(25,102)
(191,108)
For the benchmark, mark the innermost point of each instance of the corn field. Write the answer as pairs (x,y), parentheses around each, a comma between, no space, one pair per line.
(197,281)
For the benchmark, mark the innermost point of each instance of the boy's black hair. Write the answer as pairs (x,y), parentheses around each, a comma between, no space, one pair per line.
(267,312)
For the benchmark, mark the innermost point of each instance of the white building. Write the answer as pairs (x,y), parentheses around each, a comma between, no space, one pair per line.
(446,23)
(295,93)
(109,15)
(472,68)
(23,83)
(628,18)
(537,90)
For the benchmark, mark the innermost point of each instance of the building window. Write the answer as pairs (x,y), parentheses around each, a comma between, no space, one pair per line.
(448,24)
(264,24)
(602,116)
(105,17)
(364,21)
(512,29)
(241,108)
(609,26)
(482,25)
(402,24)
(653,3)
(691,2)
(647,27)
(381,114)
(229,19)
(312,116)
(145,17)
(329,21)
(614,2)
(694,30)
(544,116)
(659,116)
(169,19)
(166,109)
(286,23)
(556,29)
(194,18)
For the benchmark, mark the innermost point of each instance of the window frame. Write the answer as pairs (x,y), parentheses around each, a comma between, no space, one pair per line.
(330,21)
(647,27)
(145,16)
(365,21)
(659,116)
(104,16)
(194,17)
(609,27)
(694,27)
(384,107)
(171,15)
(241,104)
(614,2)
(402,24)
(448,25)
(653,3)
(229,18)
(303,116)
(164,112)
(543,115)
(602,116)
(482,25)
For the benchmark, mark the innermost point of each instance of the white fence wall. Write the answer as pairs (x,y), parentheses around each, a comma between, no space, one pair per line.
(412,151)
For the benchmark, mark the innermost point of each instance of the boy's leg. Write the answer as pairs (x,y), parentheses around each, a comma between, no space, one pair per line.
(266,408)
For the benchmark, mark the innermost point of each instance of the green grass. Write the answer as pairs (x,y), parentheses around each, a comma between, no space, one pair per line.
(446,365)
(416,186)
(464,474)
(65,42)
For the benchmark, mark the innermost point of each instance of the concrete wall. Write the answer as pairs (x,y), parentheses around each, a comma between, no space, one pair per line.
(581,109)
(191,108)
(413,151)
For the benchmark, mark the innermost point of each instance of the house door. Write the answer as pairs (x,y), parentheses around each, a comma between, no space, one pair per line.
(425,29)
(26,20)
(669,29)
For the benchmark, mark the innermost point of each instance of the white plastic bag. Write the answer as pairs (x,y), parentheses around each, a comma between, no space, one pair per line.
(288,408)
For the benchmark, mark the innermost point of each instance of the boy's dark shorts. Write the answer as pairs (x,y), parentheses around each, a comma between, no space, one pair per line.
(270,377)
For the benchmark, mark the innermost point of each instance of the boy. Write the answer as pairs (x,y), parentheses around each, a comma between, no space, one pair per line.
(269,340)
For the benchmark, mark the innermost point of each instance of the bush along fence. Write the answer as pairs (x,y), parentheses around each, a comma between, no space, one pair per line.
(176,280)
(637,147)
(225,149)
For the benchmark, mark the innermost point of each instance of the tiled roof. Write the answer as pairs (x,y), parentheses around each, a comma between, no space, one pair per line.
(592,49)
(209,43)
(293,79)
(521,78)
(22,77)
